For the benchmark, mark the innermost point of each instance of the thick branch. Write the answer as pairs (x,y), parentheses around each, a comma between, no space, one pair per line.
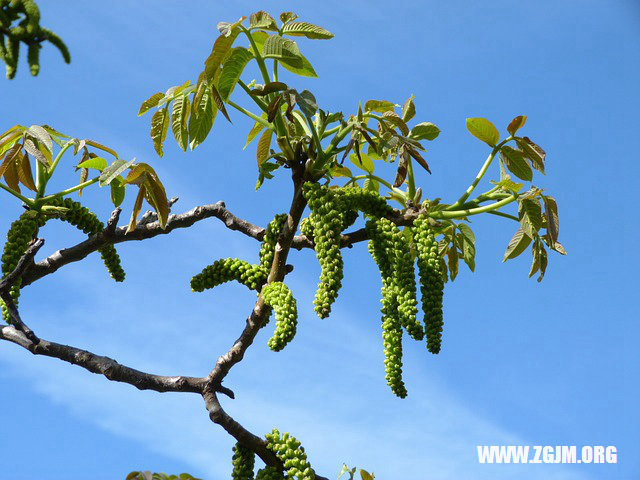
(106,366)
(143,231)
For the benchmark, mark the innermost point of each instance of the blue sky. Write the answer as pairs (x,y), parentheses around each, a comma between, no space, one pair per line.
(523,363)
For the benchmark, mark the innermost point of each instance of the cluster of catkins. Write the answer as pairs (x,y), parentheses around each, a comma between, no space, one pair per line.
(28,31)
(277,295)
(333,210)
(289,450)
(19,236)
(25,228)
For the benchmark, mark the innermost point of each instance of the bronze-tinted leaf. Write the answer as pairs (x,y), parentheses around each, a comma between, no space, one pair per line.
(264,143)
(401,173)
(137,206)
(518,243)
(263,21)
(516,124)
(551,216)
(268,88)
(31,148)
(395,119)
(218,53)
(274,108)
(219,102)
(408,109)
(25,174)
(12,154)
(533,152)
(101,147)
(515,162)
(415,154)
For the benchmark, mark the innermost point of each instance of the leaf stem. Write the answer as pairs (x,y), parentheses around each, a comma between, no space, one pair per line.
(374,177)
(56,160)
(259,59)
(260,103)
(331,131)
(473,211)
(26,200)
(480,174)
(249,114)
(72,189)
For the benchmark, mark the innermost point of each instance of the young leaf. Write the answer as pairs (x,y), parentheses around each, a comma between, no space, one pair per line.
(100,147)
(393,118)
(380,106)
(25,174)
(341,171)
(11,175)
(11,157)
(484,130)
(518,243)
(424,131)
(97,163)
(268,88)
(416,155)
(157,197)
(362,161)
(42,136)
(255,130)
(516,124)
(307,103)
(551,215)
(137,206)
(530,215)
(262,20)
(452,256)
(401,172)
(304,70)
(217,99)
(282,49)
(262,152)
(218,53)
(509,185)
(117,194)
(179,116)
(201,120)
(515,162)
(31,148)
(150,102)
(286,17)
(533,152)
(112,171)
(304,29)
(231,72)
(408,109)
(159,128)
(467,233)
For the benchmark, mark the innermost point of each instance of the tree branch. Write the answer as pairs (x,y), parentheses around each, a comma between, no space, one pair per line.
(143,231)
(106,366)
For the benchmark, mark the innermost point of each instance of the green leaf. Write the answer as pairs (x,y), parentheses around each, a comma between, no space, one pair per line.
(97,163)
(367,163)
(516,124)
(515,163)
(551,215)
(99,146)
(42,136)
(371,185)
(530,215)
(282,49)
(262,20)
(509,185)
(408,109)
(215,95)
(112,171)
(307,102)
(232,70)
(262,152)
(380,106)
(31,148)
(341,171)
(469,255)
(286,17)
(117,194)
(366,475)
(304,29)
(305,70)
(518,243)
(259,38)
(150,102)
(424,131)
(484,130)
(467,233)
(9,140)
(218,53)
(179,116)
(452,256)
(201,119)
(533,152)
(255,130)
(159,128)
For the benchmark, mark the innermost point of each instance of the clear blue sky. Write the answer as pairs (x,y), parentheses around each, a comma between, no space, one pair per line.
(523,363)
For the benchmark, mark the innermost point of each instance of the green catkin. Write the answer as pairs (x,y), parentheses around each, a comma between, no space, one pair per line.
(278,296)
(87,221)
(326,223)
(431,282)
(366,201)
(228,269)
(57,42)
(11,56)
(33,58)
(269,473)
(288,449)
(20,234)
(243,463)
(268,247)
(381,249)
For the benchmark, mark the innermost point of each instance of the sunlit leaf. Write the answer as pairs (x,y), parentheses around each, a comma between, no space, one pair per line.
(380,106)
(231,71)
(113,170)
(262,20)
(551,215)
(159,128)
(11,156)
(424,131)
(99,146)
(255,130)
(97,163)
(516,124)
(201,120)
(262,152)
(25,175)
(363,162)
(282,49)
(150,102)
(341,171)
(31,148)
(304,70)
(218,53)
(117,194)
(137,206)
(408,109)
(179,116)
(306,30)
(484,130)
(42,136)
(518,243)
